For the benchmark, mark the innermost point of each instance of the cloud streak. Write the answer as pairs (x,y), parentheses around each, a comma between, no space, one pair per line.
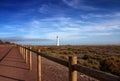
(79,4)
(24,40)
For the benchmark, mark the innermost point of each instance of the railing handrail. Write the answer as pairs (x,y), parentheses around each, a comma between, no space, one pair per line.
(100,75)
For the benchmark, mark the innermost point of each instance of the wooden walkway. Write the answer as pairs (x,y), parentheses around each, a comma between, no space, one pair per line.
(14,68)
(12,65)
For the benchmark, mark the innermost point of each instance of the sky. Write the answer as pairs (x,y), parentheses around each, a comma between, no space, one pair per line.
(76,22)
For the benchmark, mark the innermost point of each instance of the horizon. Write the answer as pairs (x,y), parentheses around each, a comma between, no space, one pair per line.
(76,22)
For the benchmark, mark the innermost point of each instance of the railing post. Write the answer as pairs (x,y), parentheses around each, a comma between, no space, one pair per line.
(26,56)
(25,53)
(30,63)
(20,49)
(72,72)
(39,66)
(22,52)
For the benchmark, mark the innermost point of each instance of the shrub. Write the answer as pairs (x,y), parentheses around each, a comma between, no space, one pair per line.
(111,64)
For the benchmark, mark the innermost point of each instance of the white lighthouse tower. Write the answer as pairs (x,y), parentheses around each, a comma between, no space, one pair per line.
(57,41)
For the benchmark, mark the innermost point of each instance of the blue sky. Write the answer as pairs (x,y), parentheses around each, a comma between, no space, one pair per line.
(76,22)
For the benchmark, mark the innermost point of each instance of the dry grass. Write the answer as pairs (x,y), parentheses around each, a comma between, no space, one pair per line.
(104,58)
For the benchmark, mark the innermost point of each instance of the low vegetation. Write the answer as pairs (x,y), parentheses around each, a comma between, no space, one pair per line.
(102,62)
(2,43)
(104,58)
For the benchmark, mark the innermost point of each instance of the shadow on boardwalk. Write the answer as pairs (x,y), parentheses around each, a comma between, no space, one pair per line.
(11,78)
(12,65)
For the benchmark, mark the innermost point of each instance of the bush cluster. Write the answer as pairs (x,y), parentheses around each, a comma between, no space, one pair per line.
(109,64)
(104,58)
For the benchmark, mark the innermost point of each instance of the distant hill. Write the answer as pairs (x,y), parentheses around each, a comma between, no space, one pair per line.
(1,42)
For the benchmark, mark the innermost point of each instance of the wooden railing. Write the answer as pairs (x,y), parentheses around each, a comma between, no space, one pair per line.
(71,64)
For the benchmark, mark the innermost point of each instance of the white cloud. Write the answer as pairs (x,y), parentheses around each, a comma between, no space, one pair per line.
(65,19)
(44,9)
(50,9)
(101,28)
(78,4)
(101,34)
(5,33)
(117,14)
(68,27)
(109,15)
(65,37)
(15,28)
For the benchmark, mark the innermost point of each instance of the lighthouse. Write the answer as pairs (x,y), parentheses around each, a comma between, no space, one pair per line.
(57,41)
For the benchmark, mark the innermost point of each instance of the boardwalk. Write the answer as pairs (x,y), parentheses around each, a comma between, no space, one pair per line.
(14,68)
(12,65)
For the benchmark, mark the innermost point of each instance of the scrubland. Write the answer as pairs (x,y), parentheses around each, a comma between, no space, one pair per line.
(105,58)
